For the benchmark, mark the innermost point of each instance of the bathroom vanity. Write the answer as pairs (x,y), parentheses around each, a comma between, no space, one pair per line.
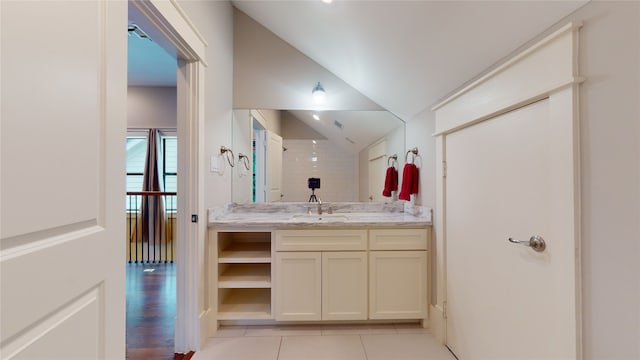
(290,262)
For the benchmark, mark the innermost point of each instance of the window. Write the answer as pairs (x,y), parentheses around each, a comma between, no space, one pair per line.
(167,165)
(136,154)
(169,169)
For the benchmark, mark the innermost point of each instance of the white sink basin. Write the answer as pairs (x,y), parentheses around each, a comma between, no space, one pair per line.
(319,218)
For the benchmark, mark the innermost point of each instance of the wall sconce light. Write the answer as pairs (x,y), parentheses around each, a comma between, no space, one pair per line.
(318,94)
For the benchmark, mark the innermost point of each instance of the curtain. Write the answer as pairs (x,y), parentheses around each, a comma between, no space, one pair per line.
(152,207)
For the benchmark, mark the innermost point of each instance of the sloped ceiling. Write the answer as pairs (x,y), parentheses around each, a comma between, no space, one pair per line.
(269,73)
(151,61)
(351,130)
(148,64)
(406,55)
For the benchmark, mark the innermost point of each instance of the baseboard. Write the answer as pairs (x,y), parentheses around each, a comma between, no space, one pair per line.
(437,323)
(205,320)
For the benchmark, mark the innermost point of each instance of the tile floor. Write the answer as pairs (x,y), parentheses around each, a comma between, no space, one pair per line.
(324,342)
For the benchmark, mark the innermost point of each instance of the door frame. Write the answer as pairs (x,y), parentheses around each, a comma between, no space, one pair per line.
(547,69)
(167,22)
(377,151)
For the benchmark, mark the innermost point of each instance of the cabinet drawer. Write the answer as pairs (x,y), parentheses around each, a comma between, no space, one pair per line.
(321,240)
(398,239)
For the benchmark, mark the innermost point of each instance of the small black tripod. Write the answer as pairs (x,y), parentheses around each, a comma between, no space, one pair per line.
(313,184)
(313,197)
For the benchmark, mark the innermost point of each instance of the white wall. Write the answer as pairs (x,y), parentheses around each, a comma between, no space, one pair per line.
(214,20)
(419,131)
(151,107)
(610,161)
(242,182)
(337,170)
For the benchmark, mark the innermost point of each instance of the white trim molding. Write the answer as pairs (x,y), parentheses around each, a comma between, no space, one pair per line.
(553,60)
(547,69)
(171,21)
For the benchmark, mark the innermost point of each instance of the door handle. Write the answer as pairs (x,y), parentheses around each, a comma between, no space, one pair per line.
(535,242)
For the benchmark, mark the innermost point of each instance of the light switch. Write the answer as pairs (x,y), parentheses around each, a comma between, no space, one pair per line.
(215,163)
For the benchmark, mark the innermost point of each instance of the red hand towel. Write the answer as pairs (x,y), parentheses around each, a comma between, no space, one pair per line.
(410,181)
(407,182)
(390,181)
(414,179)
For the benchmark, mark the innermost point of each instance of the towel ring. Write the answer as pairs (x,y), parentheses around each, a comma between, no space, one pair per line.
(415,153)
(225,151)
(391,159)
(244,160)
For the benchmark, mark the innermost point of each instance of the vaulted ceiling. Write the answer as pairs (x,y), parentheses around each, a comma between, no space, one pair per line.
(403,55)
(406,55)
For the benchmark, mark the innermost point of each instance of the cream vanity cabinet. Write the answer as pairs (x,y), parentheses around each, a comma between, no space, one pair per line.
(351,274)
(311,274)
(321,275)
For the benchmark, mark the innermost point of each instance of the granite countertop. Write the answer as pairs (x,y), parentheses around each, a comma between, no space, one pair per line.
(304,215)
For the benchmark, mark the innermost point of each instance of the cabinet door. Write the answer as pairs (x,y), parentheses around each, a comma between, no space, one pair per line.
(344,285)
(398,285)
(298,285)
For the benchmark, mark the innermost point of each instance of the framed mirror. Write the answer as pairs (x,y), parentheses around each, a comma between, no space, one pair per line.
(349,151)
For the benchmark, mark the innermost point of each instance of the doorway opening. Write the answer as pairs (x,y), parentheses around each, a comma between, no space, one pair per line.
(151,202)
(259,158)
(166,24)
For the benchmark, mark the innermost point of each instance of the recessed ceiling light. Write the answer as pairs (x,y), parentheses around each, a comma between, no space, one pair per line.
(316,117)
(327,1)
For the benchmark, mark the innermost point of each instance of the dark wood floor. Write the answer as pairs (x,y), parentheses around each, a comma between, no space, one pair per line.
(151,308)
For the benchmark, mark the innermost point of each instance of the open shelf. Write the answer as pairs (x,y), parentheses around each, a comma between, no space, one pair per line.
(245,276)
(245,252)
(241,304)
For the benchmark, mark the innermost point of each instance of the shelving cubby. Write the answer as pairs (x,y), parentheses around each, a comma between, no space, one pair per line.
(244,275)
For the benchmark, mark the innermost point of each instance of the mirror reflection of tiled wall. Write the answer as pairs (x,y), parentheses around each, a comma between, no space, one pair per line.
(337,170)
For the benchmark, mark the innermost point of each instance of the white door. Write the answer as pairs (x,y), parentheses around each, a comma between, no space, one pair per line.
(344,285)
(377,171)
(274,166)
(63,152)
(511,176)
